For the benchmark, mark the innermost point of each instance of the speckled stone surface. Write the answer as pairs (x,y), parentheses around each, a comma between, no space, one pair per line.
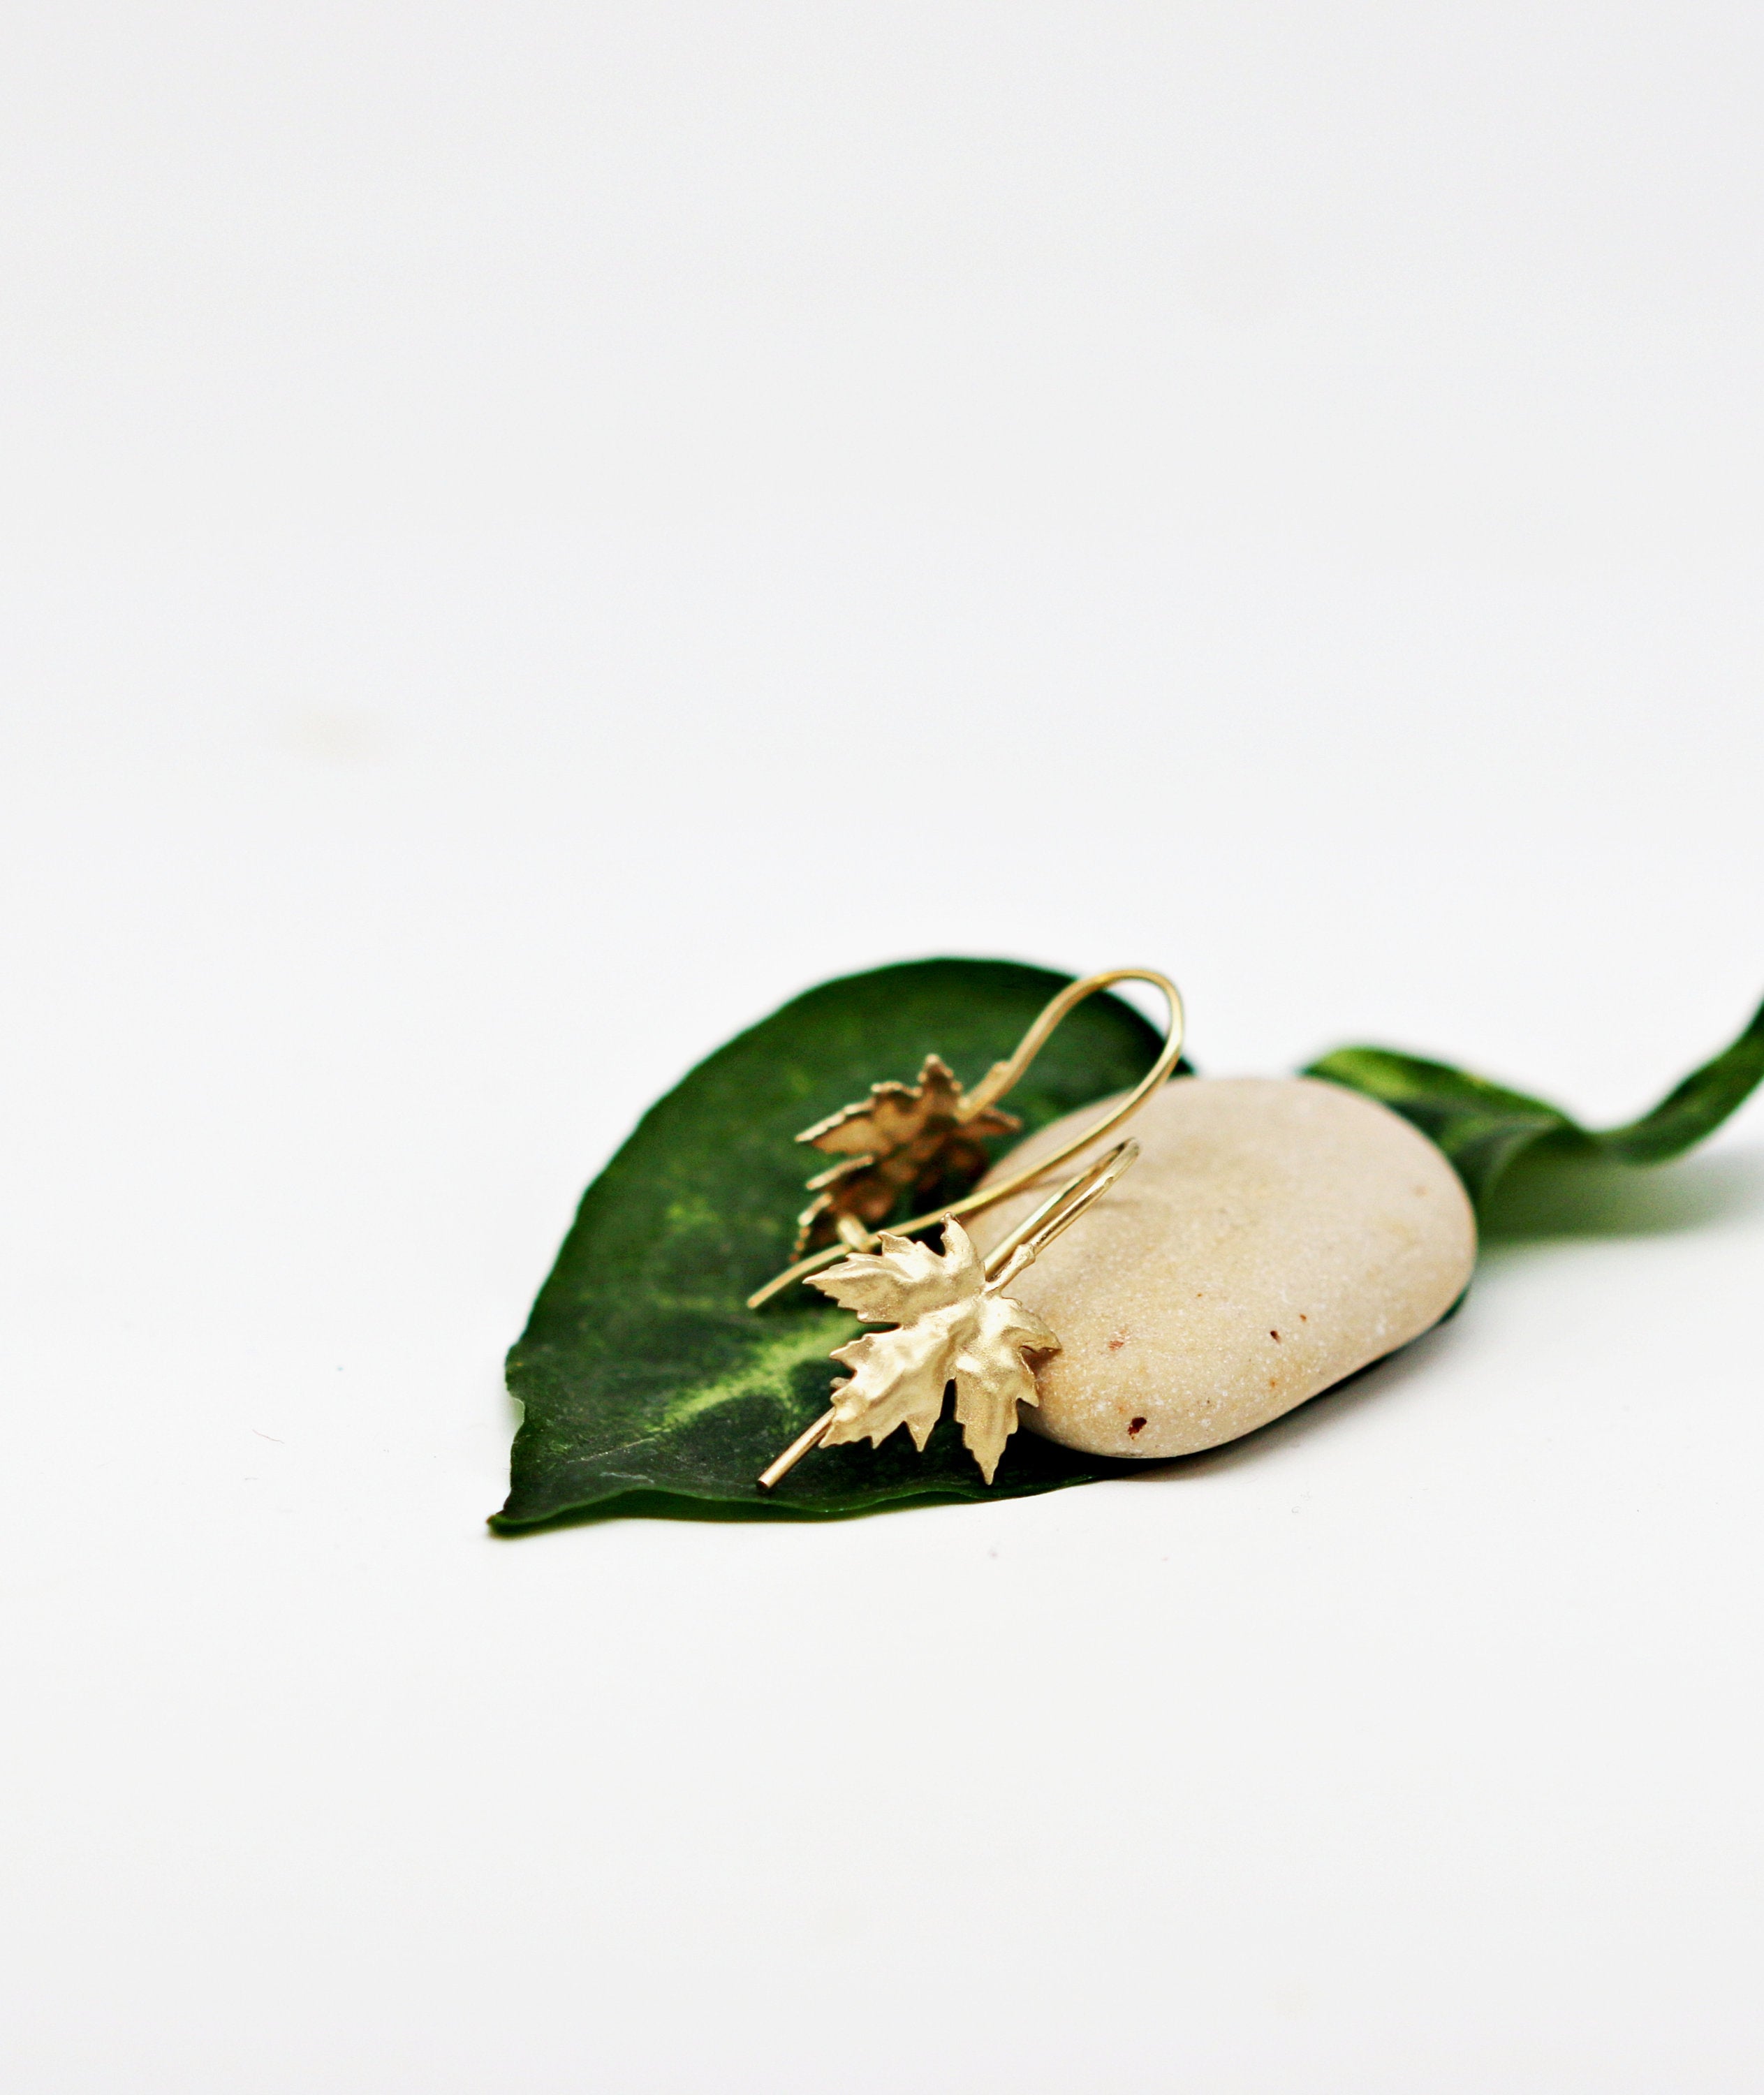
(1276,1235)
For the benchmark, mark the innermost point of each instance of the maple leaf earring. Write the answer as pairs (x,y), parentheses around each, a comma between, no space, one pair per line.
(903,1138)
(954,1323)
(924,1140)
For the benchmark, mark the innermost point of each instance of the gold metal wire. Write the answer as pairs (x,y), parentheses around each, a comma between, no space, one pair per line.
(1057,1214)
(1004,1262)
(998,1080)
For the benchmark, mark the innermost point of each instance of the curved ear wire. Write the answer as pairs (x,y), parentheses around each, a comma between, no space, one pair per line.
(998,1080)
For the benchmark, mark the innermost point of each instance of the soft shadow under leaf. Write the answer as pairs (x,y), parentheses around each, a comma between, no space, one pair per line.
(1545,1197)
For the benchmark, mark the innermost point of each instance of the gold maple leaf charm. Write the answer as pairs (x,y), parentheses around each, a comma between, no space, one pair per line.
(953,1326)
(926,1137)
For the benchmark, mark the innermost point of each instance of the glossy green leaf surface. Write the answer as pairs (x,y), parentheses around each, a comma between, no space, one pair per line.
(647,1385)
(1484,1128)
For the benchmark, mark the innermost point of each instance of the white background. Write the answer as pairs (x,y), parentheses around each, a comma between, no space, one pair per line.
(533,533)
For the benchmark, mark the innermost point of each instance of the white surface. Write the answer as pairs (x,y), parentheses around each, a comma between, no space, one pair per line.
(473,478)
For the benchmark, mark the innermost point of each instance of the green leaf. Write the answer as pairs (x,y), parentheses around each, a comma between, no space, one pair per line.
(1484,1128)
(647,1383)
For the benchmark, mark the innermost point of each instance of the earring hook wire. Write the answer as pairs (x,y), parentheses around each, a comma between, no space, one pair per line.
(1000,1079)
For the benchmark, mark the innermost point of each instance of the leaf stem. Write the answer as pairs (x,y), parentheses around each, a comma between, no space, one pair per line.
(793,1454)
